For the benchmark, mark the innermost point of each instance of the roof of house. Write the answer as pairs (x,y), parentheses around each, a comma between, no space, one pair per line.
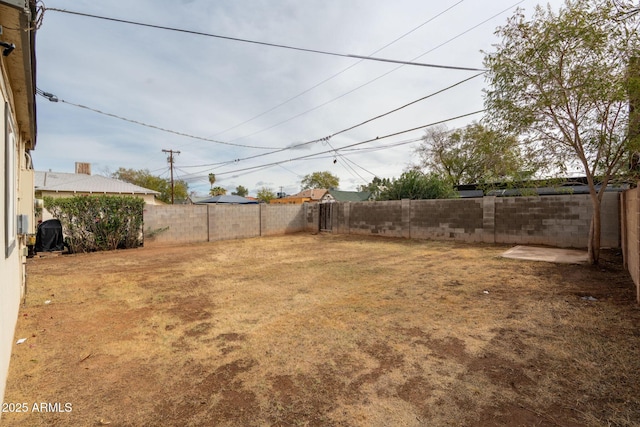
(81,183)
(312,193)
(350,196)
(228,198)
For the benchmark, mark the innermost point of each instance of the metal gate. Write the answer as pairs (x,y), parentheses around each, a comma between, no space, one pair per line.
(326,210)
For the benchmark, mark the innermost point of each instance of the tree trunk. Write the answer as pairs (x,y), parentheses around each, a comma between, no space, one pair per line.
(594,232)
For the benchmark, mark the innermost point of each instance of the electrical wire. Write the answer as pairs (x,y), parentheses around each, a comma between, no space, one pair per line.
(380,76)
(352,145)
(236,39)
(325,139)
(338,73)
(53,98)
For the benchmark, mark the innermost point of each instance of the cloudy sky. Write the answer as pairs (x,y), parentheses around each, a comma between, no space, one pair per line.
(257,115)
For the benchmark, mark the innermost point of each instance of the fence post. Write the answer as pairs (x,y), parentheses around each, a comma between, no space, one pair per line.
(489,219)
(623,230)
(406,218)
(636,244)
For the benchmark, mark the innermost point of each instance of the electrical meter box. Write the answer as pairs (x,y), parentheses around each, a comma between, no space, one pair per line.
(23,224)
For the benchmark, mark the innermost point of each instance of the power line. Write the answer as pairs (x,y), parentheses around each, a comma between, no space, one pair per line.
(341,131)
(282,46)
(53,98)
(380,76)
(351,145)
(338,73)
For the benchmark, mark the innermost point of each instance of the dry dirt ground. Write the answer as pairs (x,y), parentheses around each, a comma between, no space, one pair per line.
(323,330)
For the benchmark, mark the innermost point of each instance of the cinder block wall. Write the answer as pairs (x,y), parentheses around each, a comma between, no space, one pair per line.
(457,219)
(630,210)
(311,216)
(227,222)
(562,220)
(379,218)
(172,224)
(282,219)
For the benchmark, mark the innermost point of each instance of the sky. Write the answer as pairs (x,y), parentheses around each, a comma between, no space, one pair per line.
(257,115)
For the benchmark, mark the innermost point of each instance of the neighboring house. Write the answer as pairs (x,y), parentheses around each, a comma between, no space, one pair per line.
(558,186)
(18,122)
(346,196)
(228,199)
(60,184)
(306,196)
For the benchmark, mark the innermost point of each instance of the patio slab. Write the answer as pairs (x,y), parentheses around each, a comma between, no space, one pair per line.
(532,253)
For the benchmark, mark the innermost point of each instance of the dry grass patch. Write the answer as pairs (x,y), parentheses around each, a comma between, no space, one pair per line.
(326,330)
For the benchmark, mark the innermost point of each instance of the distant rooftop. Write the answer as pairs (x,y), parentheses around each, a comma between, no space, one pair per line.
(83,183)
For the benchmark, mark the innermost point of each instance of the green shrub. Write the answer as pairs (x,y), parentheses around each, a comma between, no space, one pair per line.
(99,223)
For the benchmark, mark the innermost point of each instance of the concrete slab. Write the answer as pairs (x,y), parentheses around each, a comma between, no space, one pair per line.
(531,253)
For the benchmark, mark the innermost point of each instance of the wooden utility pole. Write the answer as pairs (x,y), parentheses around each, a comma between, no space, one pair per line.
(170,160)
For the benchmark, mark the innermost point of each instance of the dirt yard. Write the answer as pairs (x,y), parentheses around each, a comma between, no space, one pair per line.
(322,330)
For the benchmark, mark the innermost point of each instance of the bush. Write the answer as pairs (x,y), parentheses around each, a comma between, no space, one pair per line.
(99,223)
(414,184)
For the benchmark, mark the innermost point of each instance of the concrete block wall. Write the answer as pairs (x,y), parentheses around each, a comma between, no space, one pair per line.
(630,219)
(173,224)
(378,218)
(281,219)
(561,220)
(456,219)
(311,217)
(227,222)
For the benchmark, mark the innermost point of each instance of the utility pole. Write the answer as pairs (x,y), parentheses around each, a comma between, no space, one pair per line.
(170,160)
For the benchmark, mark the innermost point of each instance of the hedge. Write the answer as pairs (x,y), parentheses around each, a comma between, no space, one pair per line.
(98,223)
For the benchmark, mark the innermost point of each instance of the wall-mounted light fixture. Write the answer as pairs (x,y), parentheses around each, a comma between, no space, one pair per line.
(8,48)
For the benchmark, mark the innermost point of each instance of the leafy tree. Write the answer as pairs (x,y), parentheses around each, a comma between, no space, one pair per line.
(144,178)
(471,155)
(376,186)
(414,184)
(240,191)
(320,180)
(266,194)
(212,179)
(562,80)
(217,191)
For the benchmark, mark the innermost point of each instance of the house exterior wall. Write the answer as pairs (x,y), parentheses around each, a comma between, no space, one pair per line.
(11,258)
(290,201)
(17,132)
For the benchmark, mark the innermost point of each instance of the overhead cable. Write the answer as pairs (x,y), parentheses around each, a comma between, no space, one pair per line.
(352,145)
(53,98)
(236,39)
(294,146)
(338,73)
(378,77)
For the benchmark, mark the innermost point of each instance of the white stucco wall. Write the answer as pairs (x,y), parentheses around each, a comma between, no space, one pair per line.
(11,262)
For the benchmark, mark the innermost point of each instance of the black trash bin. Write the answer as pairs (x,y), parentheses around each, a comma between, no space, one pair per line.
(49,236)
